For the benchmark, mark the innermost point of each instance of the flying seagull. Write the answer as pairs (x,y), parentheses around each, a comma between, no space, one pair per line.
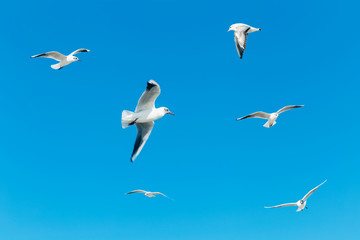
(271,117)
(301,204)
(148,194)
(63,60)
(240,36)
(144,116)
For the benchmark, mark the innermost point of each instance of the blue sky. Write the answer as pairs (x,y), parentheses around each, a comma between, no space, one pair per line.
(65,163)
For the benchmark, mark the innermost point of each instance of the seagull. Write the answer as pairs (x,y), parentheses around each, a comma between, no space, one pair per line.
(63,60)
(148,194)
(301,204)
(240,36)
(271,117)
(144,116)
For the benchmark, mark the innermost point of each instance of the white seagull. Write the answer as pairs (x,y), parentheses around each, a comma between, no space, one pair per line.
(63,60)
(240,36)
(144,116)
(271,117)
(301,204)
(148,194)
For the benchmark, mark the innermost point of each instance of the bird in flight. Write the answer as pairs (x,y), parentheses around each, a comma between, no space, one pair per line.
(144,116)
(301,204)
(148,194)
(271,117)
(240,36)
(63,60)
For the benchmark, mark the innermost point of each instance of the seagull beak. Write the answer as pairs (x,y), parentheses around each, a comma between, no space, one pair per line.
(172,113)
(79,60)
(259,29)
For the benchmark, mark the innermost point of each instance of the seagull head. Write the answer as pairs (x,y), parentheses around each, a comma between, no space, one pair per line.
(74,59)
(232,28)
(237,27)
(166,111)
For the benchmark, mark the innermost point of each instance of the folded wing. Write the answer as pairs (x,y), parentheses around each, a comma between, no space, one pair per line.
(240,38)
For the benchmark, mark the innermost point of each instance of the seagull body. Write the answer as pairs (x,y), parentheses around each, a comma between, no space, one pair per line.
(147,194)
(301,204)
(63,60)
(240,36)
(144,116)
(271,117)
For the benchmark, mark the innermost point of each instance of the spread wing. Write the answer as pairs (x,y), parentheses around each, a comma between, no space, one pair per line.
(79,51)
(312,191)
(283,205)
(288,108)
(144,130)
(240,41)
(54,55)
(159,193)
(147,99)
(136,191)
(256,115)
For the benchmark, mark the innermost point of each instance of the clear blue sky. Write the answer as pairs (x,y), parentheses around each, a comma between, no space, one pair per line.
(65,161)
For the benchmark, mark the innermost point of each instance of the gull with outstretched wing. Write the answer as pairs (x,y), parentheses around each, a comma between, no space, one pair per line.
(144,116)
(301,204)
(271,117)
(63,60)
(147,193)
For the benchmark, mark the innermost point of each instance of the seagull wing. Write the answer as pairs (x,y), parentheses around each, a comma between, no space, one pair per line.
(288,108)
(256,115)
(136,191)
(159,193)
(79,51)
(147,99)
(283,205)
(240,41)
(144,130)
(312,191)
(54,55)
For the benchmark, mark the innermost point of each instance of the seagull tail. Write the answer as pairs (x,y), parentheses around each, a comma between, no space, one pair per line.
(126,118)
(56,66)
(268,125)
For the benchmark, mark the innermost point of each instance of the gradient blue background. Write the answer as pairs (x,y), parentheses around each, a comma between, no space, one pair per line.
(65,161)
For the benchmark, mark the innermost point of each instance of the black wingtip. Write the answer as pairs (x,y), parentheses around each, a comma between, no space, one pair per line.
(150,85)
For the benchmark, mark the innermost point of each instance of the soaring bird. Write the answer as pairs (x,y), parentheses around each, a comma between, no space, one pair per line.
(271,117)
(148,194)
(144,116)
(63,60)
(301,204)
(240,36)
